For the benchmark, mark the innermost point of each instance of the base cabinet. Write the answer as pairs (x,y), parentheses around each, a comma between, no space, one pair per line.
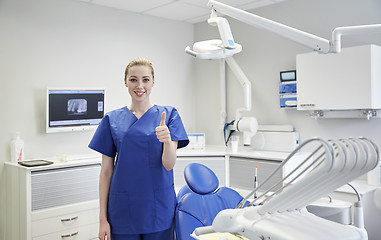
(74,221)
(52,202)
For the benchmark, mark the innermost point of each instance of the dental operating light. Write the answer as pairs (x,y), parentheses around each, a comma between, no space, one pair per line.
(216,48)
(225,48)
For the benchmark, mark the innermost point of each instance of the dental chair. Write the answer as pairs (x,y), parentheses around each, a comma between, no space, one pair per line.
(201,200)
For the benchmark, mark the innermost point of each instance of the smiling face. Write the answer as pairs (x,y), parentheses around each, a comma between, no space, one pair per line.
(139,81)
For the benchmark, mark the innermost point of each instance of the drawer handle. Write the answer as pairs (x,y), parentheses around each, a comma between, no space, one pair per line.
(69,235)
(69,219)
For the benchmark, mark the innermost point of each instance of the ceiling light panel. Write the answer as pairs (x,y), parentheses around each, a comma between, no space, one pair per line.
(178,11)
(133,5)
(258,4)
(237,3)
(201,3)
(234,3)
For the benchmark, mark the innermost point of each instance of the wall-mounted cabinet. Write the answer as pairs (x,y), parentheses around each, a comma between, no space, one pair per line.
(350,80)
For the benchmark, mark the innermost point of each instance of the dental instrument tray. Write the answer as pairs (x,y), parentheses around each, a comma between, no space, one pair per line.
(34,163)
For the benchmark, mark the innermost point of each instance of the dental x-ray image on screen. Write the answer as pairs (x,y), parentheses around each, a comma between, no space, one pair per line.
(74,109)
(77,106)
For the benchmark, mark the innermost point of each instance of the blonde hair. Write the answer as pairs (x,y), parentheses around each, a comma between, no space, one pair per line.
(139,62)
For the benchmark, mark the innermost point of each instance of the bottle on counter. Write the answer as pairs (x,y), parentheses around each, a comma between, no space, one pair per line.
(17,148)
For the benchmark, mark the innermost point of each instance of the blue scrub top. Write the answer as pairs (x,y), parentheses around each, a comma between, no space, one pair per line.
(142,198)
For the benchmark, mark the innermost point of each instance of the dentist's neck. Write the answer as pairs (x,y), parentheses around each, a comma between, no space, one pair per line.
(140,108)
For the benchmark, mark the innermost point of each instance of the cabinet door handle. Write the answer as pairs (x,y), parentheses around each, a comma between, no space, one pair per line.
(69,219)
(69,235)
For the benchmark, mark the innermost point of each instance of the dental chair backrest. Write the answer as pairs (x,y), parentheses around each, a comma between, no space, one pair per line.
(200,200)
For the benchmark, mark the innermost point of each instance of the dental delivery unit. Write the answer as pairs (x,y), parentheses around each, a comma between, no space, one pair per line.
(282,214)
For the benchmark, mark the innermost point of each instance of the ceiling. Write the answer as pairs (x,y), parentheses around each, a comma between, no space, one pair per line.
(191,11)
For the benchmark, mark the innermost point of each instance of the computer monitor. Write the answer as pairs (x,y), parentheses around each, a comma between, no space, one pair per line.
(69,109)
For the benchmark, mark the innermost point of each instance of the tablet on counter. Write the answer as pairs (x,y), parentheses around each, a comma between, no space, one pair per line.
(34,163)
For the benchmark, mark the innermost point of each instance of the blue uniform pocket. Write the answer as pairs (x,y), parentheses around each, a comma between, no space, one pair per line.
(131,213)
(165,201)
(118,209)
(155,153)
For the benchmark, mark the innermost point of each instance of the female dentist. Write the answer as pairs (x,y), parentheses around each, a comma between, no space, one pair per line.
(136,192)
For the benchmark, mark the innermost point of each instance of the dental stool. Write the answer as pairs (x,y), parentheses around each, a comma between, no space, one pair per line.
(200,200)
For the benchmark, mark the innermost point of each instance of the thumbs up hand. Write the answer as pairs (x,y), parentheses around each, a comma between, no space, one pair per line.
(162,131)
(163,116)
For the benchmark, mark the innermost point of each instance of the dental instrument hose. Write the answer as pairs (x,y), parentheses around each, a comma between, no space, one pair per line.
(358,211)
(230,133)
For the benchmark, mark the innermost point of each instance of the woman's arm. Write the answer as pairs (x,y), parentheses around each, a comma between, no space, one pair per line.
(169,154)
(169,146)
(104,186)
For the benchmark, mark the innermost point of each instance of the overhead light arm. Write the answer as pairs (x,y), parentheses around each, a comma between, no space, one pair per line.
(351,30)
(316,43)
(311,41)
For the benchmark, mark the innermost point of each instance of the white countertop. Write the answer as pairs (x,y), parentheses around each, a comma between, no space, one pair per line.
(207,151)
(60,163)
(217,151)
(246,152)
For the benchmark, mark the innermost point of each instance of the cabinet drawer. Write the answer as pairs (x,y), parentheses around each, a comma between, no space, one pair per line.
(86,232)
(242,172)
(64,222)
(63,186)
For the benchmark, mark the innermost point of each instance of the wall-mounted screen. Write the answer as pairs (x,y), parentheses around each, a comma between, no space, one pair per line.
(74,109)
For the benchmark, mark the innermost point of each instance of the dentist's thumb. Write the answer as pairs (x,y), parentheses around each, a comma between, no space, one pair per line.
(163,116)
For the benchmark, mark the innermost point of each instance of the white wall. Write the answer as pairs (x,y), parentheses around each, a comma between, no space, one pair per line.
(265,54)
(69,43)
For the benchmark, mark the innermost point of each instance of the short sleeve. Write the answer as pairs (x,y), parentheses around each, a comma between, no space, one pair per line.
(102,140)
(177,129)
